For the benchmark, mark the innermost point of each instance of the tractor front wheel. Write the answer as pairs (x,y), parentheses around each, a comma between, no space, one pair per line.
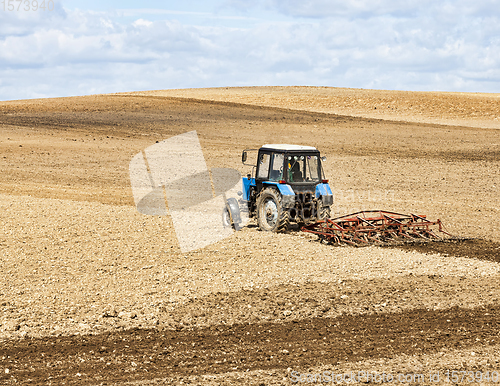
(231,214)
(270,214)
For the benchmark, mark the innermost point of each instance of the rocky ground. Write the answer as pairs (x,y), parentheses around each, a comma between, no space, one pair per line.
(93,292)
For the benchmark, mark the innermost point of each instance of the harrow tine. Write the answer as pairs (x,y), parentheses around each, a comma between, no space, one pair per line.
(419,217)
(393,219)
(420,235)
(434,235)
(365,221)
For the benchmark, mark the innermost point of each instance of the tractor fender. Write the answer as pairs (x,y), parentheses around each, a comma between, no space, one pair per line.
(247,184)
(324,191)
(287,194)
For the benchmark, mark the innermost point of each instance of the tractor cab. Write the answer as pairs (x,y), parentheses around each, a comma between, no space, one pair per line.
(290,163)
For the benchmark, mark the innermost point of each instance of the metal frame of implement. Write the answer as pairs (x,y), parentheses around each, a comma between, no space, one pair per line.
(377,227)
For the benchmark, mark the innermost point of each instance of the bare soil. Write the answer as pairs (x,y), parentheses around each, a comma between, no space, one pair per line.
(92,292)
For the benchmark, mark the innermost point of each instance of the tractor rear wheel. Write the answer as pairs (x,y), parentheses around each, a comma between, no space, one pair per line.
(270,214)
(323,211)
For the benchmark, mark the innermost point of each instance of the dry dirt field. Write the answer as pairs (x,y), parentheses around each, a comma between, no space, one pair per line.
(92,292)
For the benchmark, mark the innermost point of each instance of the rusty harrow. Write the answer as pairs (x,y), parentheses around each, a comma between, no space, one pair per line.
(378,228)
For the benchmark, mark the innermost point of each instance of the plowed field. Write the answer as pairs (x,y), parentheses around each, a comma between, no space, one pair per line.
(93,292)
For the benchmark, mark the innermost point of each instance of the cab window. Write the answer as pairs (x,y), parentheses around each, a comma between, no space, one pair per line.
(277,167)
(303,168)
(264,160)
(312,171)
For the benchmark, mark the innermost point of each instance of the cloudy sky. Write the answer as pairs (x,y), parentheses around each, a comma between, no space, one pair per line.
(77,47)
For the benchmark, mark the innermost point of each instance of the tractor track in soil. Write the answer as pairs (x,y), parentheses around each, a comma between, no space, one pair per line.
(148,354)
(475,248)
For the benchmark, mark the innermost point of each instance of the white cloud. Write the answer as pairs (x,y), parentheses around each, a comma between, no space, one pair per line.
(142,23)
(446,46)
(321,9)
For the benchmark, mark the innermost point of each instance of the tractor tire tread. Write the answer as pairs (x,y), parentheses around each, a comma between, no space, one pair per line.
(324,212)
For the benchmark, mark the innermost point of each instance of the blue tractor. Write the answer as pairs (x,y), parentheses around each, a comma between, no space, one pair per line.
(286,185)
